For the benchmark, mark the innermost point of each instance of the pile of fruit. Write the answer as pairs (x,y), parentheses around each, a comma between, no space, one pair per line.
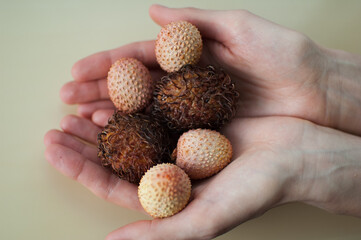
(188,104)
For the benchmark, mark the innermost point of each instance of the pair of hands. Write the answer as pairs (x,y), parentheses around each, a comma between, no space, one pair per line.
(287,85)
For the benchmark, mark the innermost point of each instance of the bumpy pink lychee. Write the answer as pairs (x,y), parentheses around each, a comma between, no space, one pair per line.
(130,85)
(178,44)
(164,190)
(202,153)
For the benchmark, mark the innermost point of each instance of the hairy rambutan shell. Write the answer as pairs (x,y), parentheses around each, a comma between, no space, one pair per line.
(164,190)
(202,153)
(130,85)
(195,97)
(131,144)
(178,44)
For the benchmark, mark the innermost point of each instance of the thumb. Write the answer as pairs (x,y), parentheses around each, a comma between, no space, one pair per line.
(188,224)
(210,23)
(156,229)
(140,229)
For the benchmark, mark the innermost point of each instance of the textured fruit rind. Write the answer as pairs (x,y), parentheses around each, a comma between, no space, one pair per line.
(178,44)
(164,190)
(202,153)
(131,144)
(195,97)
(130,85)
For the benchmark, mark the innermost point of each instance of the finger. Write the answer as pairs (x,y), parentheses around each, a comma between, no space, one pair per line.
(84,92)
(96,66)
(100,117)
(80,127)
(214,53)
(96,178)
(61,138)
(87,109)
(187,224)
(75,92)
(210,23)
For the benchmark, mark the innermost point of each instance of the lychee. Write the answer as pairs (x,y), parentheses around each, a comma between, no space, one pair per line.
(202,153)
(178,44)
(164,190)
(131,144)
(195,97)
(130,85)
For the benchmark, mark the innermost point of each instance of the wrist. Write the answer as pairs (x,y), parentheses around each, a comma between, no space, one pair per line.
(342,90)
(327,174)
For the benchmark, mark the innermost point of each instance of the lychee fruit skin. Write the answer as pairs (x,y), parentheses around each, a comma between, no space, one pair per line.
(164,190)
(178,44)
(130,85)
(131,144)
(202,153)
(195,97)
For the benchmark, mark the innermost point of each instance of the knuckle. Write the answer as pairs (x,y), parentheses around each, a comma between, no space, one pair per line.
(241,15)
(238,21)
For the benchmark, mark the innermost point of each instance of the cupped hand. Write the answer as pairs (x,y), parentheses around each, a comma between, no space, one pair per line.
(73,152)
(277,71)
(276,160)
(250,185)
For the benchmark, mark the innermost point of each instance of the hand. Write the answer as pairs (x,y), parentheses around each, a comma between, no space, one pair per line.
(276,160)
(277,71)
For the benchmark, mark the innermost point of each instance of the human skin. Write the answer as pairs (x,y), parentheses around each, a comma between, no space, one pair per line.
(288,84)
(276,160)
(278,71)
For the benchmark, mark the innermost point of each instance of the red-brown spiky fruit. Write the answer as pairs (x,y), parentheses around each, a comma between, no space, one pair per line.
(131,144)
(195,97)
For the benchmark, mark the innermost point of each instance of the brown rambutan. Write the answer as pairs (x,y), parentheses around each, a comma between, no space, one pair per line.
(132,144)
(195,97)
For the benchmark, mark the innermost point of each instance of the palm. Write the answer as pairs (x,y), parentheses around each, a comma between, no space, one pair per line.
(255,171)
(252,184)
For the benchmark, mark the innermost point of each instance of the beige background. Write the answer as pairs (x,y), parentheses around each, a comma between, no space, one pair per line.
(40,40)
